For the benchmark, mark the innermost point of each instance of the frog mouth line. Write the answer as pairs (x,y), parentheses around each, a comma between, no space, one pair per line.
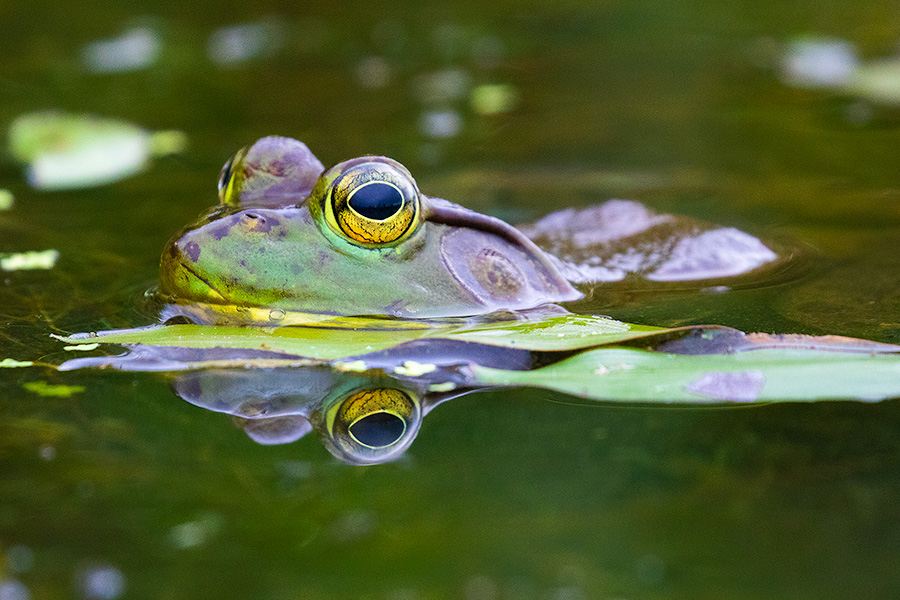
(214,293)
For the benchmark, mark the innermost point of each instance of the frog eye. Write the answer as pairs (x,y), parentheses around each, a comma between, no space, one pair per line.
(373,425)
(373,203)
(231,178)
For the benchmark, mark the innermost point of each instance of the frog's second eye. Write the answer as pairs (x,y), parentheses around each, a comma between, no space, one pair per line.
(373,425)
(373,204)
(231,178)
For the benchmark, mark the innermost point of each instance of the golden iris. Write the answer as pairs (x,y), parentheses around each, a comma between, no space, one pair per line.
(373,203)
(373,419)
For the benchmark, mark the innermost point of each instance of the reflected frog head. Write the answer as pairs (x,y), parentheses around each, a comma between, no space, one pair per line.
(356,239)
(361,419)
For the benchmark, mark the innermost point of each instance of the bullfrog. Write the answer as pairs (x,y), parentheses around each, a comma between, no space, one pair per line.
(360,239)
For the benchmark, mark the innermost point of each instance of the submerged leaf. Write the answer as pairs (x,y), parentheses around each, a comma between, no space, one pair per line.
(42,388)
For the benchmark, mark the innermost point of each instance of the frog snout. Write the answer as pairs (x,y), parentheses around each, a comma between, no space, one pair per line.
(180,276)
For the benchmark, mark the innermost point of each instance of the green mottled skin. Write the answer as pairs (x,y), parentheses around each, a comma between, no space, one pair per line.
(272,248)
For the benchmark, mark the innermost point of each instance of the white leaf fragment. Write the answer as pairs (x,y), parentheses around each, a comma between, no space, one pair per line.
(81,347)
(412,368)
(448,386)
(355,366)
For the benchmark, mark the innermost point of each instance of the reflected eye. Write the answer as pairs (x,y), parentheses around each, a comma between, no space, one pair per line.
(231,178)
(373,203)
(373,425)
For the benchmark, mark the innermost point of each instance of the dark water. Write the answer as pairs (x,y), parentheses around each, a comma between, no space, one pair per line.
(123,490)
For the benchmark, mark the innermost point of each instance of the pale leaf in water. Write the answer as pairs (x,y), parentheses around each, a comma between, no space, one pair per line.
(135,49)
(42,388)
(70,151)
(11,363)
(6,199)
(22,261)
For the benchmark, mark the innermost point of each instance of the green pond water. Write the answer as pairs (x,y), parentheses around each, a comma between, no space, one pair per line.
(123,490)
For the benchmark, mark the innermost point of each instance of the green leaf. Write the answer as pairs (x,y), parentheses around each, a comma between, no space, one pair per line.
(348,337)
(558,333)
(11,363)
(42,388)
(691,365)
(762,375)
(309,342)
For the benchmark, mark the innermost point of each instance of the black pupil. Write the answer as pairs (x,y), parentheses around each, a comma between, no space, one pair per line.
(376,201)
(378,429)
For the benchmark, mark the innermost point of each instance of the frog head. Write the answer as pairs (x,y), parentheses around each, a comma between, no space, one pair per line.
(356,239)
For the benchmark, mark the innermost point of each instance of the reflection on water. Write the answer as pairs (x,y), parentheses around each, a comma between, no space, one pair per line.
(361,419)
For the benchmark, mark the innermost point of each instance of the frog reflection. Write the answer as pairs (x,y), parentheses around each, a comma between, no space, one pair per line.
(361,239)
(361,419)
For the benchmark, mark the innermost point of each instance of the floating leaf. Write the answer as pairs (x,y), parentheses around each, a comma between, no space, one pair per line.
(68,151)
(81,347)
(134,49)
(557,333)
(10,363)
(42,388)
(877,81)
(764,375)
(6,199)
(493,98)
(309,342)
(701,364)
(22,261)
(349,337)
